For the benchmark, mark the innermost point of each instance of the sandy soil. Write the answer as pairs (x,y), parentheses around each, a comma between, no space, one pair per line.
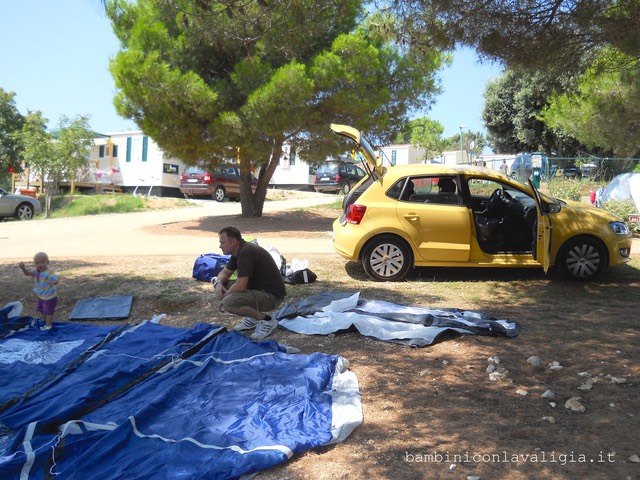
(434,412)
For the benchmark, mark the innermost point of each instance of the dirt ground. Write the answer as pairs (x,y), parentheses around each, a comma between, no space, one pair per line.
(434,412)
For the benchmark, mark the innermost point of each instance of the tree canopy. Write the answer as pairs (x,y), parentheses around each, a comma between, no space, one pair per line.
(603,112)
(11,122)
(215,80)
(534,34)
(54,156)
(551,44)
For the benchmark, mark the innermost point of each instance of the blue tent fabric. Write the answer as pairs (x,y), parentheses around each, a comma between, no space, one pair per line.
(152,401)
(102,308)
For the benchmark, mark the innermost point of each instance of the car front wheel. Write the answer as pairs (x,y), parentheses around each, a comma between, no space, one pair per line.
(24,212)
(581,258)
(387,259)
(218,194)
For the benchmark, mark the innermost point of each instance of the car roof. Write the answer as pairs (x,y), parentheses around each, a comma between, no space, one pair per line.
(437,168)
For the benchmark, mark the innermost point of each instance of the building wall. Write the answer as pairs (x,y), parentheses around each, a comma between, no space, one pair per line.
(292,172)
(401,154)
(133,160)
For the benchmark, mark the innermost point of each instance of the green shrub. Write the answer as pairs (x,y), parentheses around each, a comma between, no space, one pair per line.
(566,188)
(623,209)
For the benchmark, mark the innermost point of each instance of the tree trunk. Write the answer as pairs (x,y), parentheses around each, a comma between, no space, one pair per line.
(253,203)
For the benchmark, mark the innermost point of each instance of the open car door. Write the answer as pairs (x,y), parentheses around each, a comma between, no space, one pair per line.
(373,163)
(543,233)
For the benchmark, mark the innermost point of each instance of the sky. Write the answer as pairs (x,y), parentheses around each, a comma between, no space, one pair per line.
(55,55)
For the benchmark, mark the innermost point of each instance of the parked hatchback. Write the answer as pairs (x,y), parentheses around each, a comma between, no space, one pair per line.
(405,216)
(337,176)
(222,182)
(20,207)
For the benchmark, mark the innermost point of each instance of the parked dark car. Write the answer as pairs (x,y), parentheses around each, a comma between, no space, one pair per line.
(521,167)
(222,182)
(20,207)
(570,171)
(337,176)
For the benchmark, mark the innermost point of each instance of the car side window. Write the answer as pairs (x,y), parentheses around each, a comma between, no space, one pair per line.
(441,190)
(481,188)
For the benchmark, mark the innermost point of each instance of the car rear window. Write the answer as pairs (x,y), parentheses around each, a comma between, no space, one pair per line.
(327,169)
(194,169)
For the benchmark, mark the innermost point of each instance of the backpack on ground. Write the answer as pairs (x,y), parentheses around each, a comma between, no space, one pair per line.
(209,265)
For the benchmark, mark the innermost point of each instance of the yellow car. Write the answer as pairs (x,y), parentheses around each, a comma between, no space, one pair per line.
(405,216)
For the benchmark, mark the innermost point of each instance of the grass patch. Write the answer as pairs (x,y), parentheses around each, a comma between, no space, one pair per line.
(63,206)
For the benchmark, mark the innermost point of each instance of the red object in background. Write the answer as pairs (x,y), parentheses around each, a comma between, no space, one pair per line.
(592,197)
(10,168)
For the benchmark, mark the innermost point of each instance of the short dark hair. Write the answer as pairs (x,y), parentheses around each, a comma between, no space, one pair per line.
(231,232)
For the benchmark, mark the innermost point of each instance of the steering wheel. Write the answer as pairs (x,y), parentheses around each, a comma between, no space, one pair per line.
(499,198)
(495,199)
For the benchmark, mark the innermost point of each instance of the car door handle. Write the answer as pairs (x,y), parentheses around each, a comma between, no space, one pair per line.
(412,217)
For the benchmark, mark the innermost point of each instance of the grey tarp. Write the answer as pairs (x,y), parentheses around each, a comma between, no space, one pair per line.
(331,312)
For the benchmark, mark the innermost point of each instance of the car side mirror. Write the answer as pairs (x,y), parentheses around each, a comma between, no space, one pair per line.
(554,208)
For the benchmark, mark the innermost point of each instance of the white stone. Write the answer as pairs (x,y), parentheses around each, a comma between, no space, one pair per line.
(495,376)
(555,366)
(522,392)
(586,386)
(575,404)
(535,361)
(634,459)
(549,394)
(490,368)
(549,419)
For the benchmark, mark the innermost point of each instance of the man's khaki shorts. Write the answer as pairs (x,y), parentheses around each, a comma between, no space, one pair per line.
(258,299)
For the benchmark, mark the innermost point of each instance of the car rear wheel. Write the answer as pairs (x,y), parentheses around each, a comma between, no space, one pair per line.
(346,188)
(24,212)
(387,259)
(218,194)
(581,258)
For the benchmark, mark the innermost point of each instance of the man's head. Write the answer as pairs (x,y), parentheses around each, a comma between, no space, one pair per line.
(230,238)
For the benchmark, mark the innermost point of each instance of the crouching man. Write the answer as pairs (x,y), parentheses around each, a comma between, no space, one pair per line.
(258,289)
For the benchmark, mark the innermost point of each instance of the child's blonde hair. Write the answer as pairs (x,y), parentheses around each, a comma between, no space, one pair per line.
(41,256)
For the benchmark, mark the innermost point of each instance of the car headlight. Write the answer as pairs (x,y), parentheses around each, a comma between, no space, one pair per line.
(619,228)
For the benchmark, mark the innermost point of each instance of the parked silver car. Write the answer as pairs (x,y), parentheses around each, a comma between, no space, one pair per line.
(20,207)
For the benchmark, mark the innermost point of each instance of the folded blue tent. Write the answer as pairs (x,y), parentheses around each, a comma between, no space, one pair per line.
(150,401)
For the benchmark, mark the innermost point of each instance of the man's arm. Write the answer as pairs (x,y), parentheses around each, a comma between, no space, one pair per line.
(240,285)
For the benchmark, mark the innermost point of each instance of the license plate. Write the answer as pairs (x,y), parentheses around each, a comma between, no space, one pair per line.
(192,180)
(324,179)
(634,218)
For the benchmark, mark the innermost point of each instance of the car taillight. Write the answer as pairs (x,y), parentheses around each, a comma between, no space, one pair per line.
(337,177)
(182,179)
(206,178)
(355,213)
(316,179)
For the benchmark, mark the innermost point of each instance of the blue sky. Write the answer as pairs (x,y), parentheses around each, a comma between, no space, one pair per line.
(55,57)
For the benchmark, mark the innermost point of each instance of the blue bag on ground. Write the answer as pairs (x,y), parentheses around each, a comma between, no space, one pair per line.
(208,265)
